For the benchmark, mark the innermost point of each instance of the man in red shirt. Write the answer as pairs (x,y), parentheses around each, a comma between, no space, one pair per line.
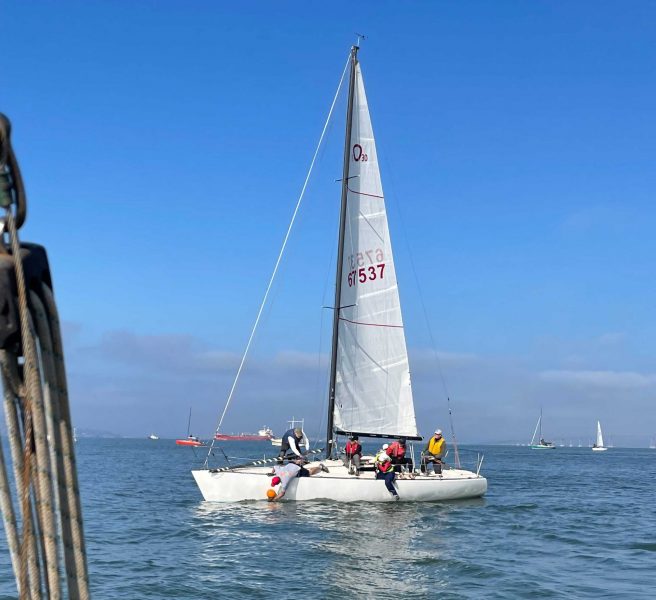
(353,452)
(396,451)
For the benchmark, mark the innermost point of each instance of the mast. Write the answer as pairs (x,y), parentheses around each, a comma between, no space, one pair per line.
(340,254)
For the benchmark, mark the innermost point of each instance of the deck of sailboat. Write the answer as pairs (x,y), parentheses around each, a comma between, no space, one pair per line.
(252,483)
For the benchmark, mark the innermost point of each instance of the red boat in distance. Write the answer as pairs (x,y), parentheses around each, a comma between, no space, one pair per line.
(263,435)
(192,440)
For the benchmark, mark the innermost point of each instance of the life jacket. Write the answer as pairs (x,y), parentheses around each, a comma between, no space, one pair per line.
(285,442)
(395,450)
(436,447)
(383,465)
(352,448)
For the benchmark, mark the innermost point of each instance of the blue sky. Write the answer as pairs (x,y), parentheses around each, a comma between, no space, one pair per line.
(164,145)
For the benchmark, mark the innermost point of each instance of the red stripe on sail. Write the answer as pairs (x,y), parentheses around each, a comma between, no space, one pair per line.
(370,324)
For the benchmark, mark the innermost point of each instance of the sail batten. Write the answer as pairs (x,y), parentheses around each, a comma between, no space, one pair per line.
(372,386)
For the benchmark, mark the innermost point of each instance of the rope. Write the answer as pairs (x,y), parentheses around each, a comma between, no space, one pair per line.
(40,437)
(258,463)
(280,255)
(37,413)
(13,391)
(8,515)
(68,454)
(34,427)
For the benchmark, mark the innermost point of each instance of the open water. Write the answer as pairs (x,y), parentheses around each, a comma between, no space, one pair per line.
(567,523)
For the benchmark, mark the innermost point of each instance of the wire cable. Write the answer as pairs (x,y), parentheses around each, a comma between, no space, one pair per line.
(280,255)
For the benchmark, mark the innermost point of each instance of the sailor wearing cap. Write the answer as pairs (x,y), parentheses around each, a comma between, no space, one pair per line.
(353,453)
(292,440)
(385,470)
(433,453)
(397,452)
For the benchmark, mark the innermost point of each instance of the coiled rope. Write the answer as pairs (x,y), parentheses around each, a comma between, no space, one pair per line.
(37,413)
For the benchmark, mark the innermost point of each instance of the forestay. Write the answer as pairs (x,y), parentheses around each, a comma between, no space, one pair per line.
(372,392)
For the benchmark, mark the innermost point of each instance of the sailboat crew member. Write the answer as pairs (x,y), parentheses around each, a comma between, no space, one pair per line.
(353,452)
(396,451)
(291,440)
(433,453)
(385,470)
(284,475)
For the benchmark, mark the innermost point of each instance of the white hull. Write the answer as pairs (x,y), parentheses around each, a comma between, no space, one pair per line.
(598,449)
(252,484)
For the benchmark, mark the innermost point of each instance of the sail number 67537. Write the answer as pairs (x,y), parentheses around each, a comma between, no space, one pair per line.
(364,274)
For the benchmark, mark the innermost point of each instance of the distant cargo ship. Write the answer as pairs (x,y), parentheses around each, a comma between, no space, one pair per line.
(262,435)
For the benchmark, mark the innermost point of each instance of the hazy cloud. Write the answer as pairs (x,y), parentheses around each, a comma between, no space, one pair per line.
(612,339)
(134,384)
(613,217)
(611,379)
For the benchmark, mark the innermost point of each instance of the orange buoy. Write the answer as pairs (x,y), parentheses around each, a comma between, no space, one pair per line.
(271,493)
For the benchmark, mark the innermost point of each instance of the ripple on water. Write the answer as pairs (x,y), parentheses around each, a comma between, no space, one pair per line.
(568,526)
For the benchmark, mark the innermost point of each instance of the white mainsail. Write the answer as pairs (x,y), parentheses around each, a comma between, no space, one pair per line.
(600,438)
(372,388)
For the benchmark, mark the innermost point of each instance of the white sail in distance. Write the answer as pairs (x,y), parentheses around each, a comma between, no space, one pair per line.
(372,388)
(600,438)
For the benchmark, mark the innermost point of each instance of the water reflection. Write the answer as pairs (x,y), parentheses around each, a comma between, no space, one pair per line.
(358,549)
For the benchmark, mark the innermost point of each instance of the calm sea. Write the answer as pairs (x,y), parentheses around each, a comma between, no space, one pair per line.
(567,523)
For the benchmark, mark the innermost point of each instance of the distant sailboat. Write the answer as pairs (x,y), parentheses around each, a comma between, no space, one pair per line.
(599,444)
(541,444)
(152,436)
(652,444)
(190,440)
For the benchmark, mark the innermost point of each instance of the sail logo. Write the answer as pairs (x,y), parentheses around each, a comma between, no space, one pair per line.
(359,154)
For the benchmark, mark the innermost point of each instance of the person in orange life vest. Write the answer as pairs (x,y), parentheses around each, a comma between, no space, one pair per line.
(385,470)
(353,453)
(396,452)
(433,453)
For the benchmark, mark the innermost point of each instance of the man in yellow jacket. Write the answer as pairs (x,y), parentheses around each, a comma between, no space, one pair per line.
(433,453)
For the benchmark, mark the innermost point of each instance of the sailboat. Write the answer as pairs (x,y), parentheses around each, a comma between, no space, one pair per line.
(541,443)
(598,446)
(190,440)
(369,387)
(652,444)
